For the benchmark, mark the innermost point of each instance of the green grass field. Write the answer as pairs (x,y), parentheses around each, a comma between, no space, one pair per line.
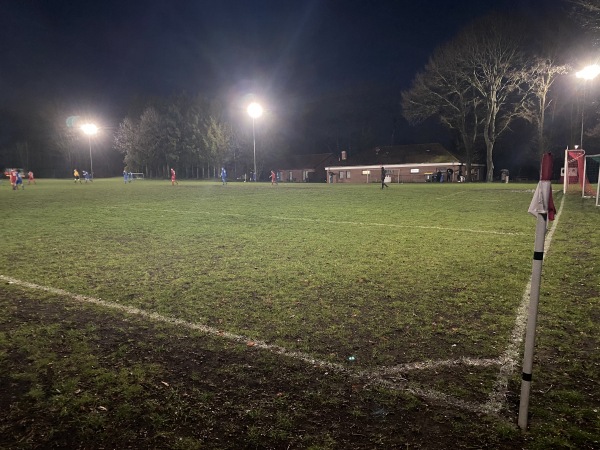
(409,298)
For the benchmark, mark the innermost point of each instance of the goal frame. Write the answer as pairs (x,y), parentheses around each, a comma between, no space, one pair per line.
(585,180)
(580,160)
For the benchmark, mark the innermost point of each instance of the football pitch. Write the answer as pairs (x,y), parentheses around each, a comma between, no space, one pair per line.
(418,288)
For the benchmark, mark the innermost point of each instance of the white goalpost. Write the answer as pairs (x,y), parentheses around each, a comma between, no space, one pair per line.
(591,170)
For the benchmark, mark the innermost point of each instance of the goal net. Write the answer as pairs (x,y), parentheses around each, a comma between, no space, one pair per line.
(574,176)
(137,176)
(591,169)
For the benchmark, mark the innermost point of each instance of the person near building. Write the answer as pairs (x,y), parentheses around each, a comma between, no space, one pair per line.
(383,183)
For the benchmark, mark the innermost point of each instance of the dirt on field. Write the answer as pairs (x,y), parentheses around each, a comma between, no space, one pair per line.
(79,377)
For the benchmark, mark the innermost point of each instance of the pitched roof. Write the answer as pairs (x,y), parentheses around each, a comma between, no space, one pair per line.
(405,154)
(296,162)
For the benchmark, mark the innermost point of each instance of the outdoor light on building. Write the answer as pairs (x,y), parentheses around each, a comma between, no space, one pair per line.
(90,129)
(588,73)
(254,111)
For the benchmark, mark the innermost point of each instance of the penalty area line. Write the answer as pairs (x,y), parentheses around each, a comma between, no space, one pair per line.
(374,377)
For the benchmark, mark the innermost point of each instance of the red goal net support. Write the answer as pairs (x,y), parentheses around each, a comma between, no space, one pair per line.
(573,174)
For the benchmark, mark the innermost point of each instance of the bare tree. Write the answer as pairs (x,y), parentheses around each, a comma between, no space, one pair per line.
(491,52)
(542,75)
(444,90)
(587,14)
(476,84)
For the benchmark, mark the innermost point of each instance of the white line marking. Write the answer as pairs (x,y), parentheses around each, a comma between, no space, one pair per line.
(425,365)
(509,357)
(373,376)
(335,222)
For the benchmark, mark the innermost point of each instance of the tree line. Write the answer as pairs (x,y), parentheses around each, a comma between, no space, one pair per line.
(197,136)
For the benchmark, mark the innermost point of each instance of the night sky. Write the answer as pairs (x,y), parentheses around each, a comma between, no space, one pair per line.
(98,55)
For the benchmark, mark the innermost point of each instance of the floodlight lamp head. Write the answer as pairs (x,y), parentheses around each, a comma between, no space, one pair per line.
(89,128)
(589,72)
(255,110)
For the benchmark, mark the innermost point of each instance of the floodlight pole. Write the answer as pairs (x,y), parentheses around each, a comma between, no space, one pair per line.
(254,110)
(254,142)
(588,73)
(91,161)
(582,107)
(90,129)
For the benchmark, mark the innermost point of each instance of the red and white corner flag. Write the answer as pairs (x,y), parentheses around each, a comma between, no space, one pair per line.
(542,207)
(542,202)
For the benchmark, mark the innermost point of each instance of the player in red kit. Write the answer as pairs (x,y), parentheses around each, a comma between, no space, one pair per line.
(13,179)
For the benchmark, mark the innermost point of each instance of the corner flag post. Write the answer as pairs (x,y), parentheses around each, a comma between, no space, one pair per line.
(542,206)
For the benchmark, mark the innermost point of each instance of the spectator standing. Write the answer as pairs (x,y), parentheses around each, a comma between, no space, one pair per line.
(383,183)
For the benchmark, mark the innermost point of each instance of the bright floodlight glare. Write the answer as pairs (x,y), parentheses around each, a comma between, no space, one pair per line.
(589,72)
(89,128)
(255,110)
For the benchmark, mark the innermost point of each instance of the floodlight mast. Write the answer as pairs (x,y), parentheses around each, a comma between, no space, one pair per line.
(90,129)
(254,111)
(587,73)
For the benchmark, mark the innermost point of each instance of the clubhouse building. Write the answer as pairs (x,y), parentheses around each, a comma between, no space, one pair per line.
(418,163)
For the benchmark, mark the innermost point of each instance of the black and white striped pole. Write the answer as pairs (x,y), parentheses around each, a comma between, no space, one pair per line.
(542,207)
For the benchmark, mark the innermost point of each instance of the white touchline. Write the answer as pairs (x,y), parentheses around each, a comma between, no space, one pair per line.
(373,376)
(510,355)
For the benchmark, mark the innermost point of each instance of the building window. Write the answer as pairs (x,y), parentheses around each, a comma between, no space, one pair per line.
(342,175)
(348,174)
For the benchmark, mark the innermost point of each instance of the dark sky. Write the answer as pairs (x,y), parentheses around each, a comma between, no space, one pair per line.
(104,52)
